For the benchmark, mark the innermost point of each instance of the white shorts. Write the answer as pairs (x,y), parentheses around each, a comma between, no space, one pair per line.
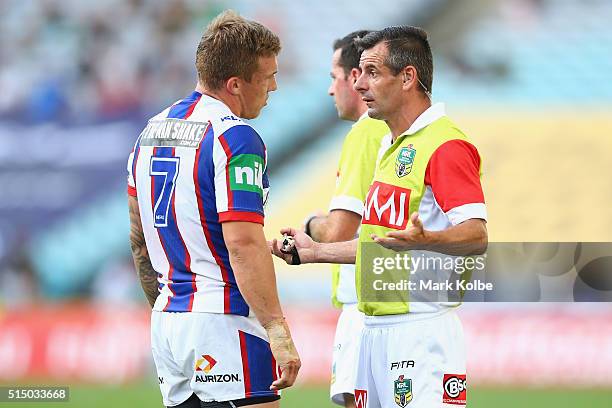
(346,352)
(416,359)
(218,357)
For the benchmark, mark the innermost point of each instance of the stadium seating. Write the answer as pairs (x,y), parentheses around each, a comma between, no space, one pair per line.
(525,80)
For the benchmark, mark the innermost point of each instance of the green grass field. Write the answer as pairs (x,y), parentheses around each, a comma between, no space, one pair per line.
(147,395)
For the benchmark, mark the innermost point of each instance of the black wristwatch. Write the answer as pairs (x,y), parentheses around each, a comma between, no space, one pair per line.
(307,225)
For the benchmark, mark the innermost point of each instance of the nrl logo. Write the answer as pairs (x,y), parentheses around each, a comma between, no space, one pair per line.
(403,391)
(404,161)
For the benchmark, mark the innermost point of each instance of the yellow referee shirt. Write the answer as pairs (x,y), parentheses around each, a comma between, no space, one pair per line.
(353,178)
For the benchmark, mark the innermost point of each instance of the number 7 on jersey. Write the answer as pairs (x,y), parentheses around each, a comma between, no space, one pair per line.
(163,189)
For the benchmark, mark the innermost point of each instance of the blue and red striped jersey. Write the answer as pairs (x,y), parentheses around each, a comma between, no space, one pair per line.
(194,166)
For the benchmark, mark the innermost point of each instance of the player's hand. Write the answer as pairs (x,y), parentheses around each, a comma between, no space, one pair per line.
(305,246)
(414,237)
(284,353)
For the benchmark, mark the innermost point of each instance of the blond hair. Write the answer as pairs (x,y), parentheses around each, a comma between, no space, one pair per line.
(231,46)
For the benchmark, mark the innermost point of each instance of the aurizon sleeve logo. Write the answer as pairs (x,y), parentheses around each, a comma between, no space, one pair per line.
(387,205)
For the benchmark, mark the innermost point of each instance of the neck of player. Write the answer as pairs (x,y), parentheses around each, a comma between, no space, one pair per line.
(363,108)
(222,95)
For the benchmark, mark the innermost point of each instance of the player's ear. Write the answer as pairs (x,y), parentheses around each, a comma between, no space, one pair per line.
(233,86)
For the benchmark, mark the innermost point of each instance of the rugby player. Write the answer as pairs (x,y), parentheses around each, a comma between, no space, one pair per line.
(410,352)
(197,185)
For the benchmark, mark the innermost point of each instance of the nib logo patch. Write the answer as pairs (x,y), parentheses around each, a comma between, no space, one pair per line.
(246,173)
(206,363)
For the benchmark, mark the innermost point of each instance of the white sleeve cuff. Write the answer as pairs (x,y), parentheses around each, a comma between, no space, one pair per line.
(130,177)
(465,212)
(346,203)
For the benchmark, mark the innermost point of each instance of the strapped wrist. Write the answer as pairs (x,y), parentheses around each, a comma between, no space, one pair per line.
(277,328)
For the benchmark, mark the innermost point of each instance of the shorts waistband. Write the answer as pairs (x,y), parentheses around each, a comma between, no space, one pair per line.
(392,320)
(350,306)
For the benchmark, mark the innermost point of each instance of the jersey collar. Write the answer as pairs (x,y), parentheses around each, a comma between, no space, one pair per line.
(433,113)
(212,100)
(362,117)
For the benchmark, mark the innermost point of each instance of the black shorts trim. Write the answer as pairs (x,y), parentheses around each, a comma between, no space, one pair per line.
(194,402)
(243,402)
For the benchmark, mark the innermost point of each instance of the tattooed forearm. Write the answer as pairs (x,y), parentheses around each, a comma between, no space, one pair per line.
(146,273)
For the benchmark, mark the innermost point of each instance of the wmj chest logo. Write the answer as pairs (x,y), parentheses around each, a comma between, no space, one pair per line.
(387,205)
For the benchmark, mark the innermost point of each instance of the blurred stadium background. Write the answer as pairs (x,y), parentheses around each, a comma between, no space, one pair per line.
(529,80)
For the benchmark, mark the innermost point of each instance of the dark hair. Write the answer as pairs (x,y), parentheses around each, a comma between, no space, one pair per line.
(407,45)
(231,46)
(350,54)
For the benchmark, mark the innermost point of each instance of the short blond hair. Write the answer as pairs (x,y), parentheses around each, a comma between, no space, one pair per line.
(231,46)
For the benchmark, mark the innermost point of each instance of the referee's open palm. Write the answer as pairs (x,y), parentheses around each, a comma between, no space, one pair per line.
(410,238)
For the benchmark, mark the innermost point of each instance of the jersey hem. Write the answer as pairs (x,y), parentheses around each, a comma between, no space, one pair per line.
(201,311)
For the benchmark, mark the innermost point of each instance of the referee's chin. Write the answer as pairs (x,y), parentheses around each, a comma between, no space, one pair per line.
(374,114)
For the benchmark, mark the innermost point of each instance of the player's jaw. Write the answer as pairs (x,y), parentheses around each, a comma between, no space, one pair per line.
(347,101)
(257,90)
(253,98)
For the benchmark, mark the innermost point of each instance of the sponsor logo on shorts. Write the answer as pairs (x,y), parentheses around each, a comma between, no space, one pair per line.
(206,363)
(217,378)
(396,365)
(455,389)
(403,391)
(160,379)
(361,398)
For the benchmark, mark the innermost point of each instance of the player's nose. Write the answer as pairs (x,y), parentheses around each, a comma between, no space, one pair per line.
(273,86)
(360,84)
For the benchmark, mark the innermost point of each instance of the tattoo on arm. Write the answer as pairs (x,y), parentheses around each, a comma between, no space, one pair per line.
(142,262)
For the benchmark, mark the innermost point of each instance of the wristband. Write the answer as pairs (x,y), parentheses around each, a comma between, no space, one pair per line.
(307,224)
